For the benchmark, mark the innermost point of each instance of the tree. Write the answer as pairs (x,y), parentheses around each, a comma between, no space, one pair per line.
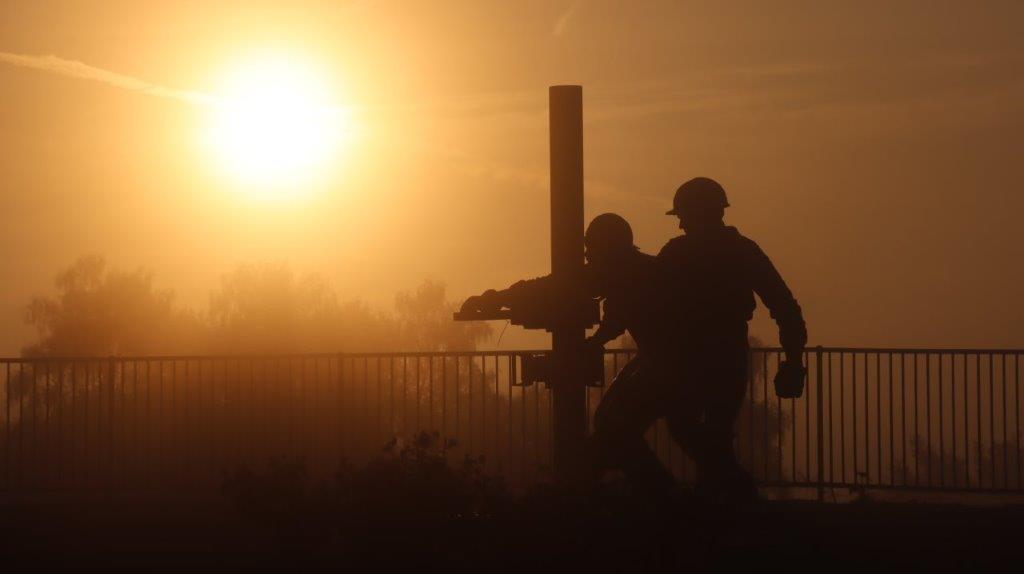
(425,321)
(267,309)
(100,311)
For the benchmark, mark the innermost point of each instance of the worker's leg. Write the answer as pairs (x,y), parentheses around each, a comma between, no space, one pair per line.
(721,470)
(629,408)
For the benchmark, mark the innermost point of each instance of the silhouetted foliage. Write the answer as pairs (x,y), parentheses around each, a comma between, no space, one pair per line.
(409,487)
(101,311)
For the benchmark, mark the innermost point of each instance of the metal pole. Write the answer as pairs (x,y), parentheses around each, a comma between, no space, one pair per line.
(567,381)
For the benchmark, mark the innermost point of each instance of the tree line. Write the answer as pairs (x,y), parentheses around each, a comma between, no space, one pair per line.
(100,310)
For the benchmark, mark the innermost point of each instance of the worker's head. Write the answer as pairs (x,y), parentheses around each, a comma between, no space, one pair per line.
(699,204)
(609,238)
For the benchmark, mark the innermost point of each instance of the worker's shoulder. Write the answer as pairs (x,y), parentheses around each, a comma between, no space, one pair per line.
(741,241)
(673,246)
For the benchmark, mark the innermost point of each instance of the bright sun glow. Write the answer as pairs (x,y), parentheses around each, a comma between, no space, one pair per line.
(276,129)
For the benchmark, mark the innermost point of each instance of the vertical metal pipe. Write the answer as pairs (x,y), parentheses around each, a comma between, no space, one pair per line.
(567,384)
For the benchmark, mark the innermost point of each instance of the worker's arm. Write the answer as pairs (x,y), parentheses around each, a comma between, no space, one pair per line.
(524,290)
(784,309)
(527,290)
(611,327)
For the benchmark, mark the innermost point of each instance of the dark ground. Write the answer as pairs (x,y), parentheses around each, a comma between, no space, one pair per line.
(537,532)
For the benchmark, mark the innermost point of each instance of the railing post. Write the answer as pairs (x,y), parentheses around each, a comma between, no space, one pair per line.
(821,424)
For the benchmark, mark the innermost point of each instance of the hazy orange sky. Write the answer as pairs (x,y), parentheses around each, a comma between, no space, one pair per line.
(872,149)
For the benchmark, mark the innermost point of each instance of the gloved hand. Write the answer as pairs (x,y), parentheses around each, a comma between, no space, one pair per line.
(789,380)
(487,301)
(592,346)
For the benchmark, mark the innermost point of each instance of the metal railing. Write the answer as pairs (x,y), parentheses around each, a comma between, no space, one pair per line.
(870,418)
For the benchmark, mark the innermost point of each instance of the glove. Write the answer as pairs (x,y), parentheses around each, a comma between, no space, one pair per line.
(789,380)
(488,301)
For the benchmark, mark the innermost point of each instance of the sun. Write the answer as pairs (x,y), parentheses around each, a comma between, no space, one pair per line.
(275,128)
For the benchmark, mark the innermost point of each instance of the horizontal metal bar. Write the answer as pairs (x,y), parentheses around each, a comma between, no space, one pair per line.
(505,353)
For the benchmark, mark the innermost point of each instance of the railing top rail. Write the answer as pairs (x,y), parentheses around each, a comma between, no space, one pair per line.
(481,353)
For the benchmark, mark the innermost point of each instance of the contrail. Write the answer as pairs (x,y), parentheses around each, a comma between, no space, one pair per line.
(563,20)
(75,69)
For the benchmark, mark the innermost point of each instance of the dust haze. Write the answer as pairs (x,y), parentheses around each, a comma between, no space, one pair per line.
(874,151)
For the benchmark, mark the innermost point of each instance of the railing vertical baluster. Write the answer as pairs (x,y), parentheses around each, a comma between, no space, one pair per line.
(508,376)
(430,393)
(903,415)
(819,415)
(377,425)
(1016,411)
(536,427)
(1006,461)
(952,412)
(807,417)
(61,439)
(34,410)
(917,425)
(892,435)
(991,421)
(878,418)
(751,393)
(7,425)
(842,416)
(418,394)
(444,399)
(967,427)
(853,407)
(405,396)
(977,416)
(942,437)
(928,412)
(482,449)
(392,420)
(469,415)
(458,401)
(523,409)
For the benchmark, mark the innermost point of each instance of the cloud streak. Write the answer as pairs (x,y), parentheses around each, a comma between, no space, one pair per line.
(80,70)
(564,19)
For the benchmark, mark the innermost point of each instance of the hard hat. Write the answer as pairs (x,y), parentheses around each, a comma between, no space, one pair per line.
(699,191)
(609,231)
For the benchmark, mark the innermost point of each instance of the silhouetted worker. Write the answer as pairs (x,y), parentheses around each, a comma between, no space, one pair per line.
(715,272)
(633,287)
